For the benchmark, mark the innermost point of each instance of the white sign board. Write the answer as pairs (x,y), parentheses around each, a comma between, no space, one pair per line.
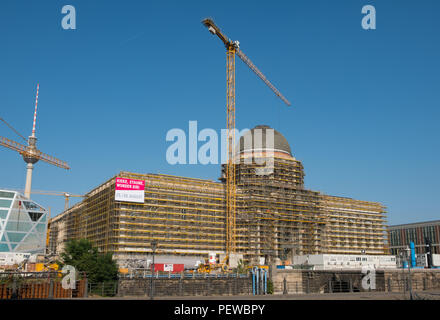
(168,267)
(129,190)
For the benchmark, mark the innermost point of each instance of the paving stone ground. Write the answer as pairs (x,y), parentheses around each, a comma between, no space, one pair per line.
(417,295)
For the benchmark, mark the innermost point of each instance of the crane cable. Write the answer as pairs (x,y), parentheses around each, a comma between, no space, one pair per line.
(12,128)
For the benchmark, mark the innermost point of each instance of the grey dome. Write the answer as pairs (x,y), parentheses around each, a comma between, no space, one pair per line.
(280,143)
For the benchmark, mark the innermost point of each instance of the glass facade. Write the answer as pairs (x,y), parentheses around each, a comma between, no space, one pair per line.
(402,235)
(23,224)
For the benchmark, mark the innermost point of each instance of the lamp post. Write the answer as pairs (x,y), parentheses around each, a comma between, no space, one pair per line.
(406,254)
(153,248)
(409,273)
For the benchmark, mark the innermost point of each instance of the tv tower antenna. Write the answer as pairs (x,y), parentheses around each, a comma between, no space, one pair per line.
(30,157)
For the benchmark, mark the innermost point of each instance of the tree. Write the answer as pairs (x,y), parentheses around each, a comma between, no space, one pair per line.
(242,267)
(80,254)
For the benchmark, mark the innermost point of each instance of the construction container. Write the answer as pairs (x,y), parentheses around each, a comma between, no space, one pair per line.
(345,261)
(169,267)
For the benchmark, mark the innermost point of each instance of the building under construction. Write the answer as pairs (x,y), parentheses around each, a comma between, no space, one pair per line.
(276,218)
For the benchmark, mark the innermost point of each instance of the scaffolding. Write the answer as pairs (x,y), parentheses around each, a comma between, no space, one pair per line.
(277,214)
(354,226)
(276,217)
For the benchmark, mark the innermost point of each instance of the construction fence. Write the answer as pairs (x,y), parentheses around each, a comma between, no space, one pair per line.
(44,285)
(38,285)
(186,285)
(103,289)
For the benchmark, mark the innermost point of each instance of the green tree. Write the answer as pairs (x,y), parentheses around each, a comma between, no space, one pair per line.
(242,267)
(269,286)
(99,267)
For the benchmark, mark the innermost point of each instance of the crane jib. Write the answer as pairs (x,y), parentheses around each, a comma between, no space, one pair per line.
(246,60)
(214,29)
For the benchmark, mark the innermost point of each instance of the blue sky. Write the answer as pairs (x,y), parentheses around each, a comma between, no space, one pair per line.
(365,104)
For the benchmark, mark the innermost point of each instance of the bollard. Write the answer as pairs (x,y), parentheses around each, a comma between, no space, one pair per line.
(351,285)
(330,288)
(285,286)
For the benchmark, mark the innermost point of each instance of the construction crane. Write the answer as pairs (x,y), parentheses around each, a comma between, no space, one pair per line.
(29,152)
(232,49)
(66,195)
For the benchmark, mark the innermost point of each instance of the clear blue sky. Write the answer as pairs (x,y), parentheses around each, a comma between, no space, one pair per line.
(365,104)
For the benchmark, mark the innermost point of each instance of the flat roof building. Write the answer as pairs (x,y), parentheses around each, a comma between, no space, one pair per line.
(401,235)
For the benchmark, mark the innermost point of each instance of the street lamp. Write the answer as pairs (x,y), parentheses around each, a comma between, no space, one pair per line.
(406,254)
(409,273)
(153,248)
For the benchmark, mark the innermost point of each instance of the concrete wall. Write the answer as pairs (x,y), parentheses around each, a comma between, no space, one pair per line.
(323,281)
(421,279)
(293,281)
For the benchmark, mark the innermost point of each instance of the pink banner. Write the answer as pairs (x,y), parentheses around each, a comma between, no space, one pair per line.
(129,184)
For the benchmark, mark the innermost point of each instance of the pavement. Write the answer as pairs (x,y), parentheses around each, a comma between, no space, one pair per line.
(417,295)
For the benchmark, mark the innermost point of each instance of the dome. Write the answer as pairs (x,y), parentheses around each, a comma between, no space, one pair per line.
(280,143)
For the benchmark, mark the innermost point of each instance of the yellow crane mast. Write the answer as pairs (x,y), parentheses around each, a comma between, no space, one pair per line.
(232,49)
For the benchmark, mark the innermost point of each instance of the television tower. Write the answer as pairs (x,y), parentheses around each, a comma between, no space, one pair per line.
(30,153)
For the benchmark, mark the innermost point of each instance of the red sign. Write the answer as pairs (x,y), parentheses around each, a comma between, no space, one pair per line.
(169,267)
